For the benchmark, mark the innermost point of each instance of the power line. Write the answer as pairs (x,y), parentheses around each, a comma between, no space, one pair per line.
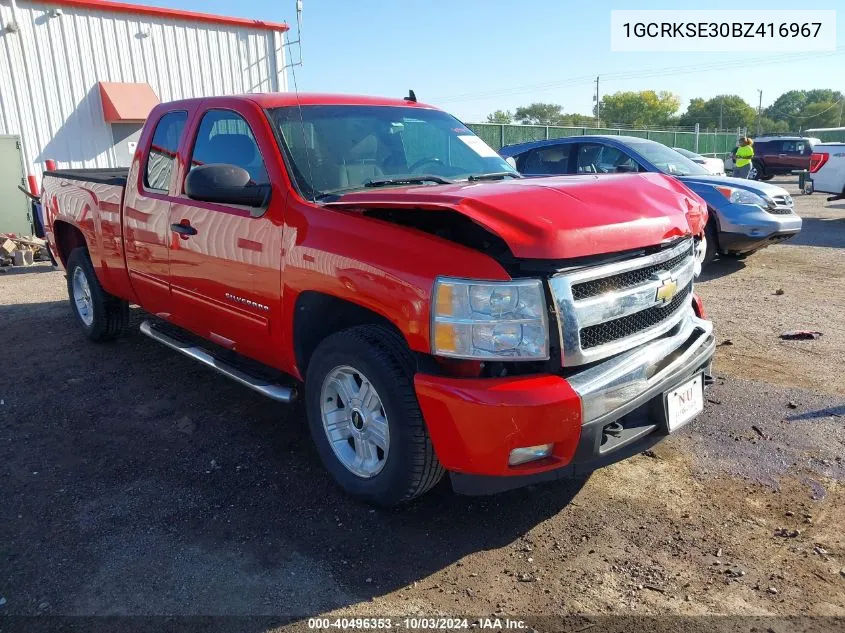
(655,72)
(812,116)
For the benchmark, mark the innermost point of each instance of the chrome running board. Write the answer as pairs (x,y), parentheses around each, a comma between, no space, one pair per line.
(274,391)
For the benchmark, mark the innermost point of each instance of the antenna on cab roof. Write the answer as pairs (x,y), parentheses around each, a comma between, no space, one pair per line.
(411,97)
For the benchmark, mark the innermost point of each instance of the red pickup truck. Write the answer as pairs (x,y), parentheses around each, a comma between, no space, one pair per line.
(443,313)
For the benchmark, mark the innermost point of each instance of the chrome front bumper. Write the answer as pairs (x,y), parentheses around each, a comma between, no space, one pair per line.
(615,387)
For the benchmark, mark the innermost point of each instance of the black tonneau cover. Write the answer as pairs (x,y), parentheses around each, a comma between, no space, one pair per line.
(112,176)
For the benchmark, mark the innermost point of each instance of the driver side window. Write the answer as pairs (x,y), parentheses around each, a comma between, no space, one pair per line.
(225,137)
(594,158)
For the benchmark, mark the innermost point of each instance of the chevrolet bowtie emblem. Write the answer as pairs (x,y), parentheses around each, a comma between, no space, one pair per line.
(667,290)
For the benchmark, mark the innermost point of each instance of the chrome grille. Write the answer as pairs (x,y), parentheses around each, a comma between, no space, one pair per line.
(783,205)
(623,280)
(611,308)
(629,325)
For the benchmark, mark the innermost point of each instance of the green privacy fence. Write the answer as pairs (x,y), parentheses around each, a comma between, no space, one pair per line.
(829,136)
(708,143)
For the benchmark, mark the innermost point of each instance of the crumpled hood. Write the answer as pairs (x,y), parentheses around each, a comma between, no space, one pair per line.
(760,188)
(558,217)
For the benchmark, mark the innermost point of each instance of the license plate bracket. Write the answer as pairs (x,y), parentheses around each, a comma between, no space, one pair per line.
(684,402)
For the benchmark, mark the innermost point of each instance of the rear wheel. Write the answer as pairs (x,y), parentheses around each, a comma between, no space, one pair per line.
(364,416)
(103,317)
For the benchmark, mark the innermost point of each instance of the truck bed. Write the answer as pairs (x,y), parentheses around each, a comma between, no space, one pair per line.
(110,176)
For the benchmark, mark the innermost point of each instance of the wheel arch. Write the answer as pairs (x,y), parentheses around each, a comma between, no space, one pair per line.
(318,315)
(67,237)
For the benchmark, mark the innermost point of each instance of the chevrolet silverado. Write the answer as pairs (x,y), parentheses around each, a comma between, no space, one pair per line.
(436,311)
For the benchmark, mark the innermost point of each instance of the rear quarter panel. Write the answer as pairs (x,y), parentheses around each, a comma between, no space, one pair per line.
(94,209)
(831,177)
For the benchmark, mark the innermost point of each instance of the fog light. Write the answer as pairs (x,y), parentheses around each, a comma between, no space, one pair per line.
(529,454)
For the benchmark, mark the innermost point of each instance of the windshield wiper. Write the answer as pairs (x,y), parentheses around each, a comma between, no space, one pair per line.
(407,180)
(496,175)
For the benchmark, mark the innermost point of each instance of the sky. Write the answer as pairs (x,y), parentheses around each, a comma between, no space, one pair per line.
(472,57)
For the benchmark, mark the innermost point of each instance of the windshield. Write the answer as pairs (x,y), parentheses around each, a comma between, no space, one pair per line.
(667,160)
(338,148)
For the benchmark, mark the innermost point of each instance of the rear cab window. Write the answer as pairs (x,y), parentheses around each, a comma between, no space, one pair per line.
(161,159)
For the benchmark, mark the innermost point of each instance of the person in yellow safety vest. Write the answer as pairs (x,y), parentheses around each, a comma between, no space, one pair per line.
(744,153)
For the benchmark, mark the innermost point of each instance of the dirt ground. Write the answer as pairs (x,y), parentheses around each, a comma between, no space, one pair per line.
(134,482)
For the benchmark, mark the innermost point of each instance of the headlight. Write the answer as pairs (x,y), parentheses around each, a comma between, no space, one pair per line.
(489,320)
(742,196)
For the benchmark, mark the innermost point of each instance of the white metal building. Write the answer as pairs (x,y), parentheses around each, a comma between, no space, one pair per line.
(78,77)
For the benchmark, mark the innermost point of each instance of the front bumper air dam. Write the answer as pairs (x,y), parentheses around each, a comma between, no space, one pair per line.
(750,231)
(475,423)
(741,243)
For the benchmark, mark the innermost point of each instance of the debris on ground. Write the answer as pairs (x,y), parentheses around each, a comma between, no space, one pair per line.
(792,404)
(759,432)
(22,250)
(779,292)
(787,533)
(801,335)
(727,341)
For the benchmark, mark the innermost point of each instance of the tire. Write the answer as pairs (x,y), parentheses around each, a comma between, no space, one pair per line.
(711,235)
(103,317)
(767,176)
(758,172)
(409,466)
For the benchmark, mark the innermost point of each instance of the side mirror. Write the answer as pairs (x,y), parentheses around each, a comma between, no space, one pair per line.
(225,184)
(511,161)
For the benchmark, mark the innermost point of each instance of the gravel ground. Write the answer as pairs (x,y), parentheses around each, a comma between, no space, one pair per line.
(134,482)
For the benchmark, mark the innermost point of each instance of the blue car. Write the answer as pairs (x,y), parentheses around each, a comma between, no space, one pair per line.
(745,215)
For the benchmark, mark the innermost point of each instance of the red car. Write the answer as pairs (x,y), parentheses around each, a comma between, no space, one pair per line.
(443,313)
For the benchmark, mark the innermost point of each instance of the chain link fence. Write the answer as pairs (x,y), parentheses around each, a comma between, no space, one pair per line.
(707,143)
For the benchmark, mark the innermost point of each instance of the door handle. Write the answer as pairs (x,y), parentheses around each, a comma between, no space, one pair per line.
(184,229)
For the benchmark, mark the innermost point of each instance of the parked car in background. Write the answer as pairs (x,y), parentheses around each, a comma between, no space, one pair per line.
(827,170)
(775,155)
(745,216)
(714,166)
(444,313)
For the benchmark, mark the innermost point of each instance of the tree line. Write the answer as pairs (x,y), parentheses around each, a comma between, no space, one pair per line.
(792,111)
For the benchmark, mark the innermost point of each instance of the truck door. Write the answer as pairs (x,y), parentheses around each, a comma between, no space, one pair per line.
(776,158)
(146,214)
(225,260)
(797,154)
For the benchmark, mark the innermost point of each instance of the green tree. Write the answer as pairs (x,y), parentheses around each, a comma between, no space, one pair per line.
(646,107)
(820,114)
(803,108)
(770,126)
(731,110)
(500,116)
(788,105)
(539,114)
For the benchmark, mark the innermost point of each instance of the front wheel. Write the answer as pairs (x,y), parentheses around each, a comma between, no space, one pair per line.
(365,419)
(102,316)
(708,246)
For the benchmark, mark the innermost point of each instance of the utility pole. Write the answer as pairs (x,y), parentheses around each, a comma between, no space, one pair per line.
(598,104)
(841,104)
(759,111)
(721,110)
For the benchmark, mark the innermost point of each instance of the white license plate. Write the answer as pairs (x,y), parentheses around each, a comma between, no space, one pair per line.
(684,402)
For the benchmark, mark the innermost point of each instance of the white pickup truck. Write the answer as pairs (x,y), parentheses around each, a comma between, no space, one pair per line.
(827,169)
